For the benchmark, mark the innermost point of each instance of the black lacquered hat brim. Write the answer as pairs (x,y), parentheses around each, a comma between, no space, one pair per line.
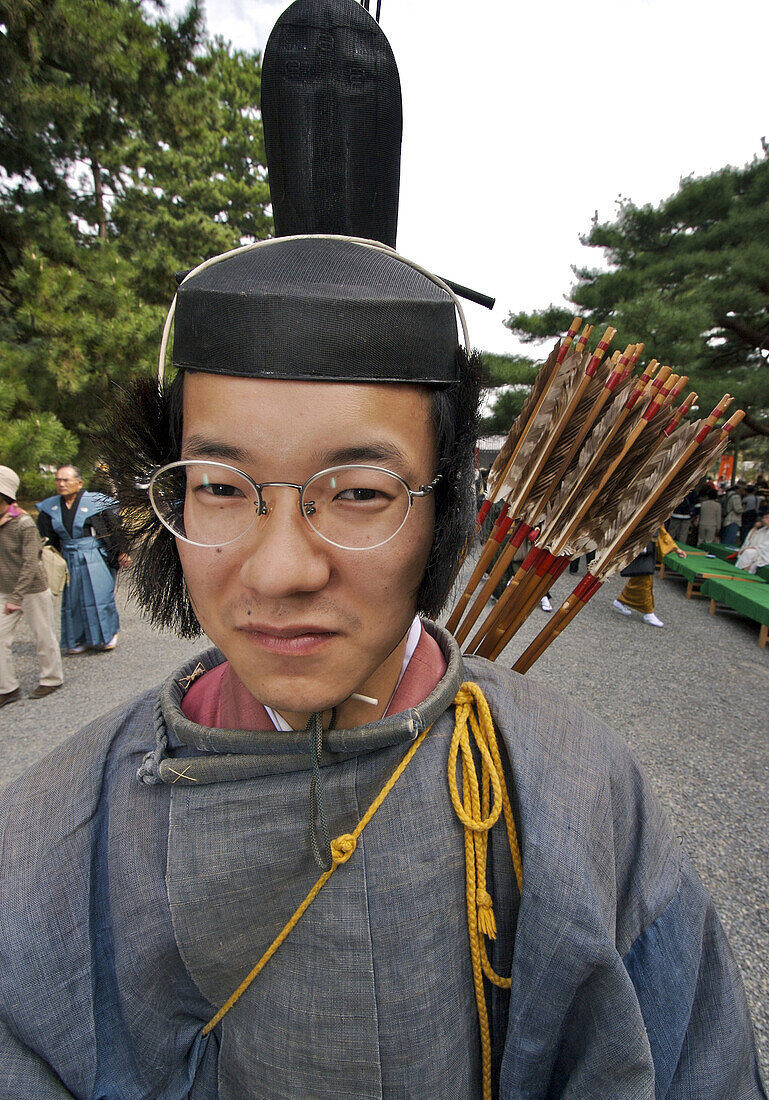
(316,310)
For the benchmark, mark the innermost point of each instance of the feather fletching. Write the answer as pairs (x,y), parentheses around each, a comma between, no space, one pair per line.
(521,421)
(555,401)
(691,472)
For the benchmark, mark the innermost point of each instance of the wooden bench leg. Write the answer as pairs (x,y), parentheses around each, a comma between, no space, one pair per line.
(662,569)
(689,589)
(712,607)
(762,636)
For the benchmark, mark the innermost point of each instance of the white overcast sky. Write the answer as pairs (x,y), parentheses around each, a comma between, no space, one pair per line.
(523,119)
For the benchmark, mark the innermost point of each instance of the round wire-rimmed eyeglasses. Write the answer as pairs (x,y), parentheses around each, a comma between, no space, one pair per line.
(352,507)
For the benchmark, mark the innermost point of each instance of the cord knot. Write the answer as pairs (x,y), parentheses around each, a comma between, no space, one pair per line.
(486,920)
(463,698)
(149,769)
(342,848)
(483,898)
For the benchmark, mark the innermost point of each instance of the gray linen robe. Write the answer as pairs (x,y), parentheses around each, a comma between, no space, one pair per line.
(130,912)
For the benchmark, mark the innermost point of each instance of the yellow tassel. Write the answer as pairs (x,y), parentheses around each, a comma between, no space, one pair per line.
(486,922)
(476,812)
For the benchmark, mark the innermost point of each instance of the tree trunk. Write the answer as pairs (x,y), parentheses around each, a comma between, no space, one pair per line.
(755,425)
(99,196)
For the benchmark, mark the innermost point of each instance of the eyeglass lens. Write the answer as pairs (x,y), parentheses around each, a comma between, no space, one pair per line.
(210,504)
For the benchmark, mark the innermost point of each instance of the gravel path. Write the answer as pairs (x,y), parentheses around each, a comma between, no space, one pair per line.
(692,700)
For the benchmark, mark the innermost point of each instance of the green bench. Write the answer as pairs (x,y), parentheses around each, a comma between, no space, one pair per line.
(725,552)
(750,600)
(698,566)
(718,549)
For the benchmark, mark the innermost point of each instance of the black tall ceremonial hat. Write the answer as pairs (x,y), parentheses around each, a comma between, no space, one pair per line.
(331,110)
(322,306)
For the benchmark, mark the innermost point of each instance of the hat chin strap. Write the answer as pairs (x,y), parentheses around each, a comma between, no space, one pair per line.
(376,246)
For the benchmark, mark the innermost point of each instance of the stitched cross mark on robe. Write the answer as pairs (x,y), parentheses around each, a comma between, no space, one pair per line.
(185,681)
(183,775)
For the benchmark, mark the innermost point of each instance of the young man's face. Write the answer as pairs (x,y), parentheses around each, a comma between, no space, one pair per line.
(303,623)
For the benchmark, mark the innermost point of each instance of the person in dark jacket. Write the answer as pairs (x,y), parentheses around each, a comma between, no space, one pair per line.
(683,516)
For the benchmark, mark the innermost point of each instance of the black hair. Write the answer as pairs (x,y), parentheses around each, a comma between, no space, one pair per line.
(7,499)
(455,420)
(144,432)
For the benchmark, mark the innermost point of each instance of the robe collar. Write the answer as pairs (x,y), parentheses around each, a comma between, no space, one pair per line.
(226,755)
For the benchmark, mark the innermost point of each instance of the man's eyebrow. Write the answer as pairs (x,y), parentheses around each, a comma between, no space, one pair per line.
(366,452)
(199,446)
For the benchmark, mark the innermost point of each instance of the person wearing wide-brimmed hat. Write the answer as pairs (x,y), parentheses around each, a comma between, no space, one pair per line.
(24,590)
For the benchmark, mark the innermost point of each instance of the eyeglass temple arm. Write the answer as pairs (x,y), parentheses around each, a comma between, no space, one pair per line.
(425,490)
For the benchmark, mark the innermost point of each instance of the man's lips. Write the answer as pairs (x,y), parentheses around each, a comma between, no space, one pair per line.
(291,640)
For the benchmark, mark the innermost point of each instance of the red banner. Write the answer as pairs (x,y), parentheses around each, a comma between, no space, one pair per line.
(726,468)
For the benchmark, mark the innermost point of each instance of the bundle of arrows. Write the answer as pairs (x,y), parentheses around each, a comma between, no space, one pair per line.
(597,460)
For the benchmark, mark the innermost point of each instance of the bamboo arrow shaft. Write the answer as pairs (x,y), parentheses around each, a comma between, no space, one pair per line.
(555,435)
(487,555)
(648,416)
(668,477)
(559,358)
(561,619)
(514,597)
(495,576)
(524,608)
(503,603)
(624,534)
(590,420)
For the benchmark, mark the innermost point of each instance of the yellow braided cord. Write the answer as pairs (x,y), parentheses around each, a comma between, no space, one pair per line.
(478,814)
(341,850)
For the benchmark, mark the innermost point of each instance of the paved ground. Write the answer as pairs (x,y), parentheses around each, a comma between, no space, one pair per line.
(692,700)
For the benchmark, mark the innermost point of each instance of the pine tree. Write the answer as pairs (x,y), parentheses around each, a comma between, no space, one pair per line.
(131,148)
(690,277)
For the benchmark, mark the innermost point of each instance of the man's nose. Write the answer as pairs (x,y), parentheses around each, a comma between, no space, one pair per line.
(284,555)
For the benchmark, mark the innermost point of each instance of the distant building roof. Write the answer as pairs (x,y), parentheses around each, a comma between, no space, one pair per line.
(489,447)
(491,442)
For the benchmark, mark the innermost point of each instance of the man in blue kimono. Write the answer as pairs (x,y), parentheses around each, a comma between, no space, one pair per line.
(85,527)
(257,881)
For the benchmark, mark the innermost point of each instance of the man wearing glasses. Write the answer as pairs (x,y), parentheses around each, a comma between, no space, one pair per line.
(304,522)
(256,881)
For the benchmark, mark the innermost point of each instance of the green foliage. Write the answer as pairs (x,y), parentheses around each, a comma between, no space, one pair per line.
(201,187)
(508,370)
(28,442)
(690,278)
(504,411)
(546,324)
(130,148)
(517,371)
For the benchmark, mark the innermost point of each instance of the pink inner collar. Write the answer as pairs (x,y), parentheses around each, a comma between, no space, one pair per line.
(219,700)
